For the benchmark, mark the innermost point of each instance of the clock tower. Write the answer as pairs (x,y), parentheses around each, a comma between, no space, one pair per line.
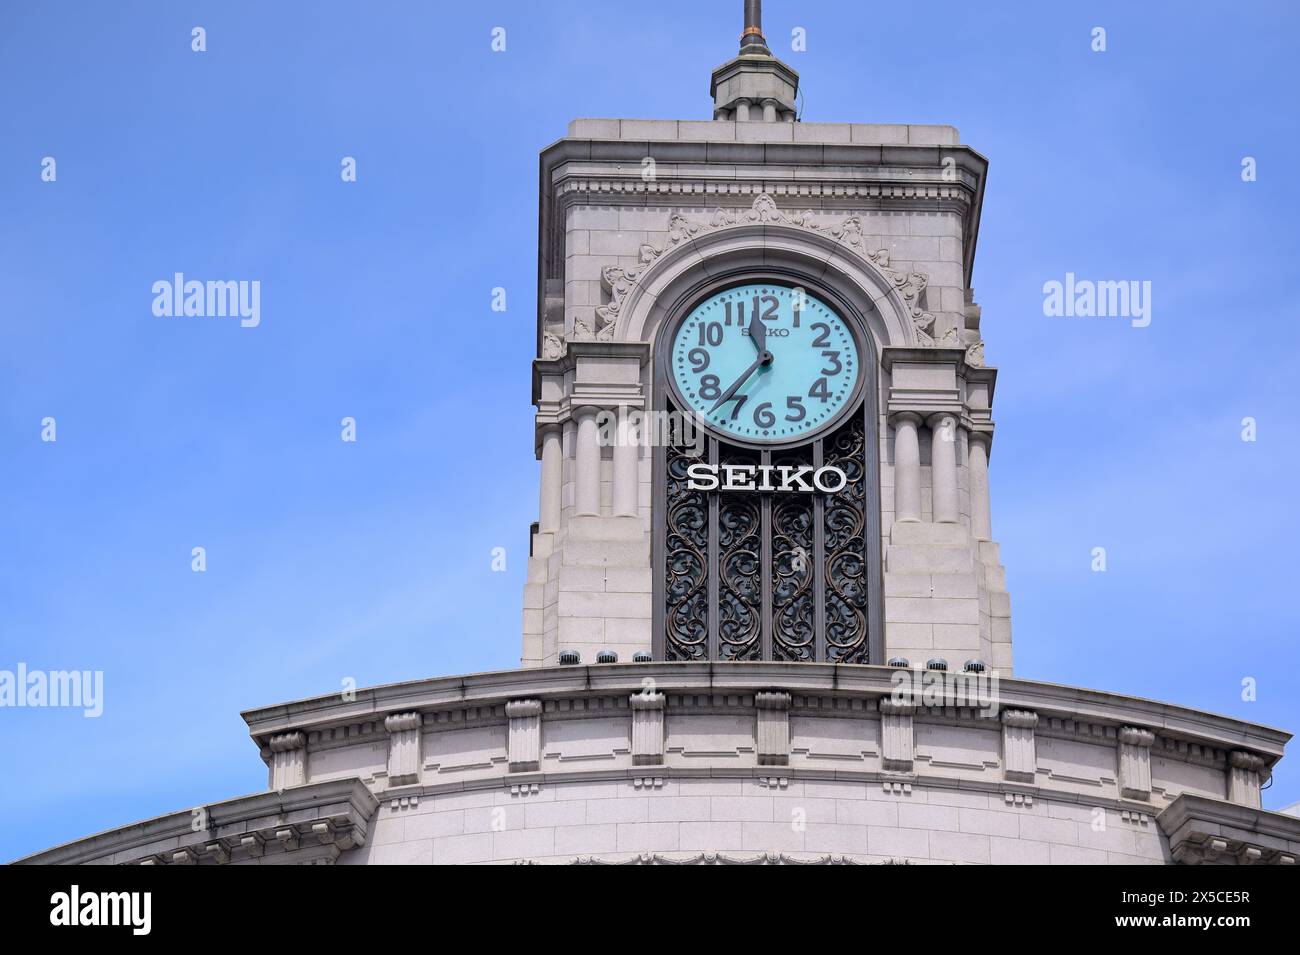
(764,423)
(764,418)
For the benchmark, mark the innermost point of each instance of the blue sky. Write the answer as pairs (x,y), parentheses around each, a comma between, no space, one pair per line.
(372,560)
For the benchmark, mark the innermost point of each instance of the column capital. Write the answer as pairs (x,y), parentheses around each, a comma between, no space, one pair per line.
(983,438)
(401,722)
(1251,762)
(1136,736)
(936,418)
(284,742)
(1024,719)
(915,417)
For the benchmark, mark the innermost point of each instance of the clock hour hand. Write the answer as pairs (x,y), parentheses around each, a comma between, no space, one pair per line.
(764,358)
(758,331)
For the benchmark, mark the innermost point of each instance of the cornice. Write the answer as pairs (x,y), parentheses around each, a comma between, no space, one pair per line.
(1046,699)
(328,817)
(1201,829)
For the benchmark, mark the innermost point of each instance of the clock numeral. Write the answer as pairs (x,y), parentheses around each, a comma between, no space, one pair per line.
(710,333)
(795,403)
(834,356)
(820,389)
(770,314)
(699,359)
(710,387)
(740,403)
(763,416)
(823,337)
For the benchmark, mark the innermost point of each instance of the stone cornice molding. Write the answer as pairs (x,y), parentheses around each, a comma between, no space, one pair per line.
(320,820)
(1204,830)
(557,408)
(706,680)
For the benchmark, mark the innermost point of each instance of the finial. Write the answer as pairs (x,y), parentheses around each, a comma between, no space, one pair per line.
(754,86)
(751,41)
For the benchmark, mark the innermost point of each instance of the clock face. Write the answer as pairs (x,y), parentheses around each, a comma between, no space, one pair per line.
(765,363)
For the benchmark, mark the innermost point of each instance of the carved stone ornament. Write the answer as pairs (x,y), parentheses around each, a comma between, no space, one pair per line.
(618,282)
(725,858)
(552,345)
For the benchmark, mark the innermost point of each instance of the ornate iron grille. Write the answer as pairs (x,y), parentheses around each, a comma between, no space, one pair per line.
(751,575)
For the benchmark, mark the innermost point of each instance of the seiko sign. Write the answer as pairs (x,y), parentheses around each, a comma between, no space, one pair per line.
(765,477)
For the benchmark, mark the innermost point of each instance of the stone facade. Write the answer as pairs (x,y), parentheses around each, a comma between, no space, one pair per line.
(888,215)
(762,762)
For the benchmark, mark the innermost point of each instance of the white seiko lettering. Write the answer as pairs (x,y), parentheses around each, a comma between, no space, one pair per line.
(702,477)
(758,477)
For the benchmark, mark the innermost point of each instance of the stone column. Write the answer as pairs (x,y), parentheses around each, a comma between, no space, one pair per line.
(552,463)
(1019,753)
(586,493)
(288,760)
(907,467)
(981,523)
(943,468)
(769,110)
(742,111)
(626,453)
(1135,762)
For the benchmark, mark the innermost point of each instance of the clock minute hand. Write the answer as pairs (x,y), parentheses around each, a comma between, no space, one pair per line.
(764,358)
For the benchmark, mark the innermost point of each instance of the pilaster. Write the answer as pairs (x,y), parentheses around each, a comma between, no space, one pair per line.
(1019,754)
(647,728)
(524,735)
(773,733)
(288,760)
(897,735)
(1245,771)
(1135,762)
(403,748)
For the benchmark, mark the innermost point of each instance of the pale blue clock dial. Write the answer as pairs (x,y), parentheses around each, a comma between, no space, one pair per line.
(783,384)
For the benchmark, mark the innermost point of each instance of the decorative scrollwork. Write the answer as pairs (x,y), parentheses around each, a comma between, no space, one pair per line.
(846,558)
(770,541)
(740,587)
(686,592)
(794,604)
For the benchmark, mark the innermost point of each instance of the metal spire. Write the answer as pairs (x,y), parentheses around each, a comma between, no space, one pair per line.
(751,41)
